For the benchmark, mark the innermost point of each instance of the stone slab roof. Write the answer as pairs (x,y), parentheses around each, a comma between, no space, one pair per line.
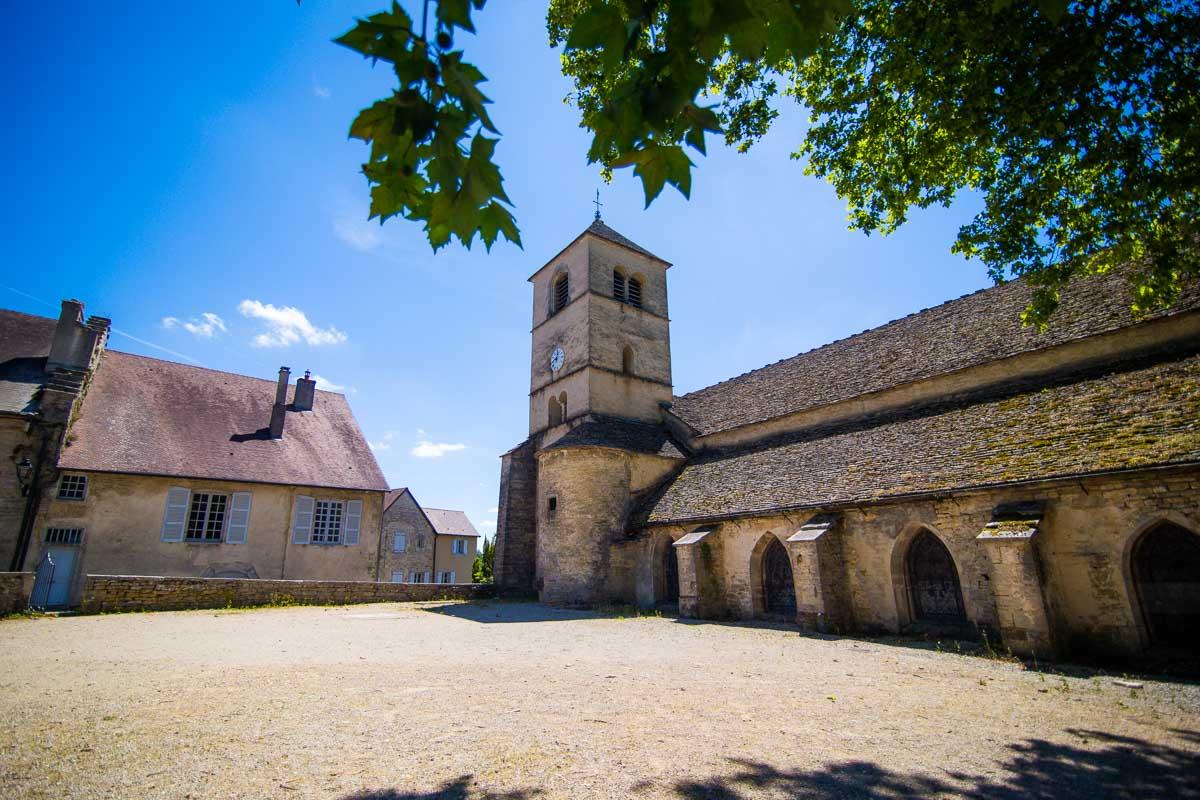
(623,434)
(1142,417)
(392,496)
(146,416)
(598,228)
(971,330)
(25,342)
(448,522)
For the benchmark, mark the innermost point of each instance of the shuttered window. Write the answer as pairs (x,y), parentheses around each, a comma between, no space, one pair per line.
(633,293)
(397,577)
(460,547)
(64,536)
(176,514)
(619,285)
(237,524)
(206,517)
(399,542)
(562,292)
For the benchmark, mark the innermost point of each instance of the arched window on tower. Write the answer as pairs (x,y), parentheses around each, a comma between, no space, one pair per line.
(562,293)
(562,403)
(633,292)
(556,411)
(627,360)
(619,286)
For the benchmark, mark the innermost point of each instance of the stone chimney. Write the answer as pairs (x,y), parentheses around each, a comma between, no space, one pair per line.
(306,392)
(279,410)
(76,344)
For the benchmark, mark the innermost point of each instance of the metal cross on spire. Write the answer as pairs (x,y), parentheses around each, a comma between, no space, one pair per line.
(597,204)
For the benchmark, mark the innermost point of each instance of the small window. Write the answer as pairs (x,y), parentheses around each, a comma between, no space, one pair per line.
(552,504)
(206,517)
(64,536)
(460,547)
(633,294)
(327,522)
(627,360)
(619,285)
(397,577)
(562,402)
(399,542)
(562,292)
(420,577)
(420,541)
(554,411)
(72,487)
(446,577)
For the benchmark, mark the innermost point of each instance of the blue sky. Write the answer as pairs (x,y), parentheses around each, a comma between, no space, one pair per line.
(164,165)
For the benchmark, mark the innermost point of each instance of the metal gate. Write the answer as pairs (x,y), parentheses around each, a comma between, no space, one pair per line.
(779,592)
(933,582)
(43,580)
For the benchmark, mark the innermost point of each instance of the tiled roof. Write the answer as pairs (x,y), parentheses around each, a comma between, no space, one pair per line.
(24,345)
(448,522)
(980,327)
(146,416)
(392,496)
(1143,417)
(622,434)
(598,228)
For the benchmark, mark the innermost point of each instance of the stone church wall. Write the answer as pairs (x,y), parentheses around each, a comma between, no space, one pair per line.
(1070,593)
(516,522)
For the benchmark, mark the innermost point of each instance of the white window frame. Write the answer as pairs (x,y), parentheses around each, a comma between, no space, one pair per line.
(446,577)
(204,538)
(400,573)
(73,477)
(321,533)
(420,577)
(399,541)
(459,547)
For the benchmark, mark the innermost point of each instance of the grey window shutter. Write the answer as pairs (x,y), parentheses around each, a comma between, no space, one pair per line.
(353,521)
(175,516)
(302,518)
(237,522)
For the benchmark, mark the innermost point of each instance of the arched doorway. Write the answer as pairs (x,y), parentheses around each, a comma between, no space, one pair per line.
(1166,572)
(933,587)
(779,592)
(670,575)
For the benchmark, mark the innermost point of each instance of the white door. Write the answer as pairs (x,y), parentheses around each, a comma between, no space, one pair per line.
(59,590)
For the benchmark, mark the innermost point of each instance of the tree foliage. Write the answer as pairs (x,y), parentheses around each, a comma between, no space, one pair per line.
(1073,122)
(485,562)
(430,158)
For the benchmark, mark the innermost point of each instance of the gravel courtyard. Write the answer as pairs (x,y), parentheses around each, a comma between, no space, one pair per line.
(507,700)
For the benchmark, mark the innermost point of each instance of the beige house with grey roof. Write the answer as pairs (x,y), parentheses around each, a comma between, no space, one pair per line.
(425,545)
(169,469)
(952,472)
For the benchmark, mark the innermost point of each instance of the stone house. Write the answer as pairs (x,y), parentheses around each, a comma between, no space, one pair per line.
(425,545)
(175,470)
(948,472)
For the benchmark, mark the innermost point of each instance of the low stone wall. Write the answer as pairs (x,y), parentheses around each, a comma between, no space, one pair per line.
(141,593)
(15,589)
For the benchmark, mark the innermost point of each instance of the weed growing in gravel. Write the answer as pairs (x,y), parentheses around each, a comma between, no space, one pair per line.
(626,611)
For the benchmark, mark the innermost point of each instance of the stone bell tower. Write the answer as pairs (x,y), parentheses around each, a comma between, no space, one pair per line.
(600,371)
(601,336)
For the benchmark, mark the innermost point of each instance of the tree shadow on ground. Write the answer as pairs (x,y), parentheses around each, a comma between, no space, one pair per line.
(458,789)
(1100,765)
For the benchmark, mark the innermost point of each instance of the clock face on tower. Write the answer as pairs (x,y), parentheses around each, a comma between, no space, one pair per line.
(556,359)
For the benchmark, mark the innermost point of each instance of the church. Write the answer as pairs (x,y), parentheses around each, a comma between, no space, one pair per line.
(949,473)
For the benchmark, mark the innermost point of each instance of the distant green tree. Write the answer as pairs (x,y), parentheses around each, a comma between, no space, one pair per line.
(485,561)
(1075,122)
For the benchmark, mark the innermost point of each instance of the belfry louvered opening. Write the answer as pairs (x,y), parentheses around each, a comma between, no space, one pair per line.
(619,285)
(633,292)
(562,292)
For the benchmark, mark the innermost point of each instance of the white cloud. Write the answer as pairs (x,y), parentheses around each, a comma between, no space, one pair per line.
(329,386)
(361,234)
(206,326)
(385,443)
(321,91)
(494,510)
(435,449)
(287,325)
(488,525)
